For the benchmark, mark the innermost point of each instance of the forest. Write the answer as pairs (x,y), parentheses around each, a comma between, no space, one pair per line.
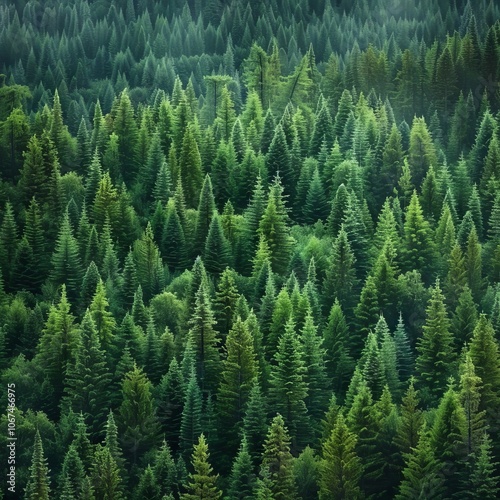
(250,250)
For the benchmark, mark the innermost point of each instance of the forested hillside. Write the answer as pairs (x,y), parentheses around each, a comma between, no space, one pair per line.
(250,250)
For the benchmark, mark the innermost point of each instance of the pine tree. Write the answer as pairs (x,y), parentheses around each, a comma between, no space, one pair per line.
(202,482)
(485,357)
(111,442)
(238,377)
(148,487)
(255,422)
(137,418)
(367,313)
(315,377)
(125,127)
(206,209)
(72,473)
(341,468)
(436,356)
(470,396)
(340,277)
(407,437)
(58,345)
(38,487)
(277,461)
(242,481)
(339,363)
(217,255)
(273,227)
(464,319)
(88,379)
(191,423)
(418,250)
(105,475)
(483,482)
(204,341)
(190,169)
(448,437)
(422,478)
(288,386)
(105,323)
(66,263)
(316,205)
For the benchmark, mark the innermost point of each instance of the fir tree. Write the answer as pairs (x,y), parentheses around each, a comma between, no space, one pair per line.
(277,461)
(421,476)
(436,355)
(341,468)
(191,428)
(137,418)
(242,481)
(202,483)
(38,487)
(238,377)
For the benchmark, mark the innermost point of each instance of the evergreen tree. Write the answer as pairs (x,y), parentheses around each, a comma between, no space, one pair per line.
(436,355)
(483,482)
(407,437)
(277,461)
(138,421)
(191,424)
(341,468)
(418,250)
(273,227)
(217,255)
(422,477)
(255,422)
(190,169)
(288,386)
(88,378)
(242,481)
(66,263)
(204,341)
(38,487)
(105,475)
(484,355)
(202,483)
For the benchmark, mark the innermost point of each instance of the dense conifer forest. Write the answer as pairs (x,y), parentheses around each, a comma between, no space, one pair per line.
(250,250)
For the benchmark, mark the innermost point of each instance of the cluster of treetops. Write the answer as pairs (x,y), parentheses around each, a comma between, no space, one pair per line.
(239,273)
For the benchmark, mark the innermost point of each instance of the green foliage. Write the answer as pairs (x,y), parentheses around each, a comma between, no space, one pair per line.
(202,484)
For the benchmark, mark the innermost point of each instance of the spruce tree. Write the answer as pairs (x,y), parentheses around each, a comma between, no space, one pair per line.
(288,386)
(408,433)
(436,355)
(277,461)
(485,357)
(202,483)
(105,475)
(242,481)
(66,263)
(255,422)
(418,249)
(483,481)
(341,468)
(137,418)
(88,379)
(217,255)
(191,425)
(421,476)
(274,228)
(204,340)
(238,376)
(38,487)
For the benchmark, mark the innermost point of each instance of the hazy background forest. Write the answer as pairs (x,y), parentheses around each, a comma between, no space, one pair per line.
(250,250)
